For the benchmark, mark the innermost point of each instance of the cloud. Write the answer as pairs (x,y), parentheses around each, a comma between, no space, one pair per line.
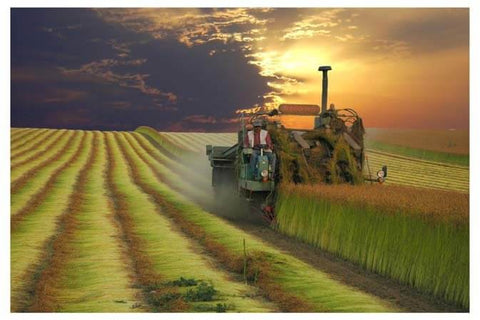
(121,105)
(190,26)
(60,95)
(103,70)
(321,23)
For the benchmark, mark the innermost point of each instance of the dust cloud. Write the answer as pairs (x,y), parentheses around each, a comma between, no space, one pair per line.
(223,201)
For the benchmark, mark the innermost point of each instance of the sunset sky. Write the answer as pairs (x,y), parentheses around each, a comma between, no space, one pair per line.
(192,69)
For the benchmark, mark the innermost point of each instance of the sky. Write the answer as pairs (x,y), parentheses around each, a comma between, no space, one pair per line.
(194,69)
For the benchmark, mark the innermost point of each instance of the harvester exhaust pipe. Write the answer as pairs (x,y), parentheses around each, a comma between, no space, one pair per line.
(324,70)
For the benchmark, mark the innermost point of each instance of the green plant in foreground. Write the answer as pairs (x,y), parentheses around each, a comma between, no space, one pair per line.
(202,292)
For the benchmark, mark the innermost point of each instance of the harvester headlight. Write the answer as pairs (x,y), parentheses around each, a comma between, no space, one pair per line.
(264,173)
(381,174)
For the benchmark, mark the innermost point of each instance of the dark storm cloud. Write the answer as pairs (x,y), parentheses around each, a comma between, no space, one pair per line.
(70,66)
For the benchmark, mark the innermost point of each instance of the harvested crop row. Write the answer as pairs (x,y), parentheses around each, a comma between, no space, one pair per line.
(413,174)
(39,149)
(421,174)
(16,149)
(30,241)
(219,138)
(18,134)
(37,160)
(85,271)
(425,172)
(428,155)
(411,235)
(292,283)
(410,159)
(181,142)
(216,139)
(193,138)
(195,177)
(35,200)
(196,189)
(431,181)
(44,294)
(403,161)
(169,251)
(39,177)
(162,142)
(196,142)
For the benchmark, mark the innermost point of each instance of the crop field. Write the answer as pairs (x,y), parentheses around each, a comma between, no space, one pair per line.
(446,146)
(117,222)
(417,236)
(104,222)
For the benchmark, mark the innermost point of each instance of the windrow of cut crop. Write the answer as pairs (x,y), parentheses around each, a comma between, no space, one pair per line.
(192,139)
(39,179)
(171,251)
(45,295)
(419,237)
(26,142)
(31,239)
(292,284)
(21,173)
(85,271)
(408,171)
(157,296)
(40,148)
(21,135)
(220,139)
(18,134)
(174,172)
(181,141)
(36,199)
(161,141)
(200,140)
(438,156)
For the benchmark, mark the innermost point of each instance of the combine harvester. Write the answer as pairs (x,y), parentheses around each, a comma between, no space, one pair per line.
(331,152)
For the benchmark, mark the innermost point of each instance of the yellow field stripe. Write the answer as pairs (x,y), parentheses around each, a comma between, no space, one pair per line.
(31,240)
